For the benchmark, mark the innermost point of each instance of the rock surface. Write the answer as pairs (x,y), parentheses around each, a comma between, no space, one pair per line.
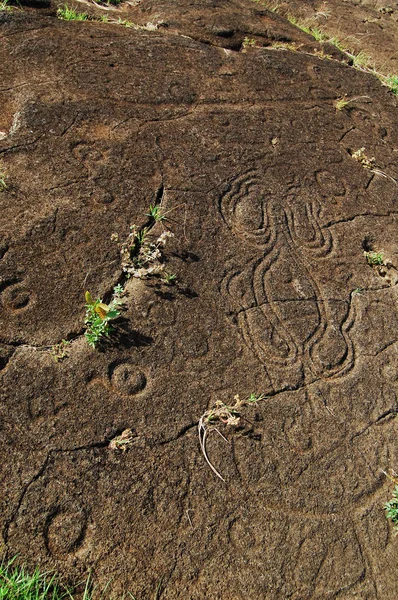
(251,162)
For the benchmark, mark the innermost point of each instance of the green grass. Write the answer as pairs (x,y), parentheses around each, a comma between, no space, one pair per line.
(4,5)
(17,584)
(374,258)
(156,212)
(390,81)
(360,60)
(70,14)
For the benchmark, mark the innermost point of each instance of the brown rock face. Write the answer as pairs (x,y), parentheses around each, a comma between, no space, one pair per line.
(273,194)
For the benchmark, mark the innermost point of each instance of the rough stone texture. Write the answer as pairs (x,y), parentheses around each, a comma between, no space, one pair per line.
(367,26)
(271,215)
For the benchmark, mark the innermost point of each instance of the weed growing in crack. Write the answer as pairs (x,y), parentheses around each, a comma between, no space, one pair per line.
(370,163)
(60,351)
(169,278)
(123,441)
(248,43)
(357,292)
(365,161)
(343,102)
(98,315)
(391,507)
(223,414)
(374,258)
(65,13)
(156,213)
(141,252)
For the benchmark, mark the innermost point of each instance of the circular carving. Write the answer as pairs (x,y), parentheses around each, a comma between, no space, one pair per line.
(65,532)
(16,297)
(40,406)
(104,197)
(128,379)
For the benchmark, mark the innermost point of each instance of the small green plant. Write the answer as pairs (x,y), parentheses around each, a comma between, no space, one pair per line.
(170,278)
(156,212)
(391,508)
(223,414)
(70,14)
(248,42)
(357,292)
(374,258)
(390,81)
(98,315)
(60,351)
(360,60)
(337,43)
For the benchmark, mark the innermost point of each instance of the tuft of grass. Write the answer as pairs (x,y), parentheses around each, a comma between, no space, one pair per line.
(360,60)
(5,6)
(124,23)
(156,212)
(370,163)
(318,34)
(337,43)
(70,14)
(374,258)
(123,441)
(390,81)
(17,584)
(343,102)
(169,278)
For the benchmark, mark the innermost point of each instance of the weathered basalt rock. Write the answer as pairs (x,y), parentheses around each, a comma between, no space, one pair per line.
(252,164)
